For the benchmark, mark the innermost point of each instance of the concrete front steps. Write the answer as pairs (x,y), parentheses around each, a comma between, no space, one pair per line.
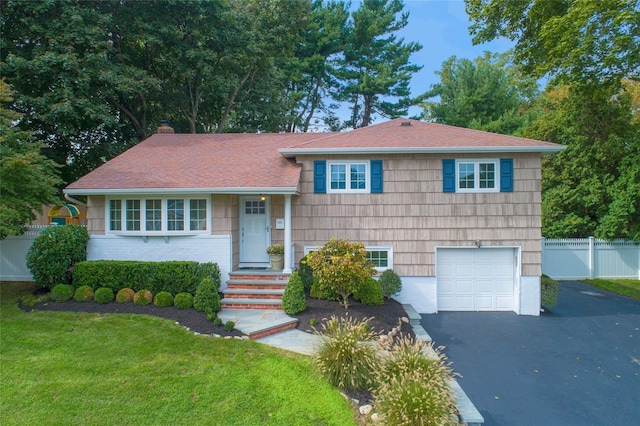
(260,291)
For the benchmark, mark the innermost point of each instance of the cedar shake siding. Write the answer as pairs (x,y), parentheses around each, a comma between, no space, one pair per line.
(413,214)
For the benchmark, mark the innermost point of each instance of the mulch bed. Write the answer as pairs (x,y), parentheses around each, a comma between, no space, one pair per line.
(383,318)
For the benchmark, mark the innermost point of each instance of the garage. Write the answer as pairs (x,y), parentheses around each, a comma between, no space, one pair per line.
(475,279)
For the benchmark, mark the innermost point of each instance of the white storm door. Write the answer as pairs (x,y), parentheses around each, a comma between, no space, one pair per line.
(254,230)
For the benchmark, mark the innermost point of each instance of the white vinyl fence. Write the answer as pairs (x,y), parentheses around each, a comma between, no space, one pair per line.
(13,255)
(587,258)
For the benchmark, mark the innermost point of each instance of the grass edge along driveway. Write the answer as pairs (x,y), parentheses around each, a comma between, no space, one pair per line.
(79,368)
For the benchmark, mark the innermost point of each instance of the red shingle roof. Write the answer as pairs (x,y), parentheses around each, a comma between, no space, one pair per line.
(402,133)
(228,162)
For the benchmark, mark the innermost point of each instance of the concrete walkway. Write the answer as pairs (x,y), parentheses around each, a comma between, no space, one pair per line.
(576,365)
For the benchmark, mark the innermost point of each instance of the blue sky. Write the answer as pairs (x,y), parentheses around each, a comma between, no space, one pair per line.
(442,27)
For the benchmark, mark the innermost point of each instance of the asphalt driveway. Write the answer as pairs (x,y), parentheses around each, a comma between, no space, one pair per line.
(576,365)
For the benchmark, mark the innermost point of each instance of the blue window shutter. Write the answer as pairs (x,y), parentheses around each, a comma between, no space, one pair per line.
(448,175)
(506,175)
(376,176)
(320,177)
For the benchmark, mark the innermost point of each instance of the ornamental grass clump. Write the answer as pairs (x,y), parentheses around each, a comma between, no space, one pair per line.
(346,356)
(412,386)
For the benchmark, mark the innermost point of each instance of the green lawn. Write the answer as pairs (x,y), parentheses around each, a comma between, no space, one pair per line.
(89,369)
(629,288)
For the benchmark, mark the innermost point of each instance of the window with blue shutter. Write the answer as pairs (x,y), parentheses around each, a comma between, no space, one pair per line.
(376,176)
(448,175)
(506,175)
(320,177)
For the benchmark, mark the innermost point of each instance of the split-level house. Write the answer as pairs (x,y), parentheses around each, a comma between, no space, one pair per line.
(455,212)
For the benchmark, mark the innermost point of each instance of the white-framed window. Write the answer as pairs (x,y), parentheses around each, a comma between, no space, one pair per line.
(155,215)
(348,176)
(477,175)
(381,256)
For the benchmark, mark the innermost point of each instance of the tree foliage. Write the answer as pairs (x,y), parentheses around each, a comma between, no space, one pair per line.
(579,41)
(341,267)
(54,252)
(376,71)
(485,94)
(593,186)
(28,180)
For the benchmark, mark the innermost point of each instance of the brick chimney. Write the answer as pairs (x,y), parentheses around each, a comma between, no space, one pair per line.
(164,127)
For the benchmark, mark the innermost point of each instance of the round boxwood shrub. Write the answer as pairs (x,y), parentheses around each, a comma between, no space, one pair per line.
(103,295)
(207,299)
(142,297)
(369,292)
(183,301)
(294,300)
(83,294)
(61,293)
(390,282)
(163,299)
(125,295)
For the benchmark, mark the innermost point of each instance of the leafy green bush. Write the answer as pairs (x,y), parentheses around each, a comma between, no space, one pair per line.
(183,301)
(53,254)
(125,295)
(390,282)
(103,295)
(142,297)
(163,299)
(217,321)
(306,273)
(61,293)
(369,292)
(412,388)
(318,292)
(294,299)
(346,356)
(173,277)
(207,299)
(83,294)
(548,291)
(229,325)
(341,267)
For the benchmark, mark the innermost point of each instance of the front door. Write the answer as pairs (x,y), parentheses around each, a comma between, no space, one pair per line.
(254,230)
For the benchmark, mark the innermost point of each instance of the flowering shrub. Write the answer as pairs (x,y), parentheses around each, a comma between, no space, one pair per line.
(341,267)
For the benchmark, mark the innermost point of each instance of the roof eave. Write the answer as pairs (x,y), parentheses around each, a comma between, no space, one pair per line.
(543,149)
(187,191)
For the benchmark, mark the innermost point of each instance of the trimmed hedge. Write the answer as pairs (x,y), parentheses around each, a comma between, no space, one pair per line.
(173,277)
(125,295)
(83,294)
(142,297)
(163,299)
(294,299)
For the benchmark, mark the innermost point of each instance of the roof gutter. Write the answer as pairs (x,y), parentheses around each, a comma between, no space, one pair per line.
(73,200)
(546,149)
(238,191)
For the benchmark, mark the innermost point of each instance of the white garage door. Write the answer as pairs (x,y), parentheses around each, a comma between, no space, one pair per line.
(478,279)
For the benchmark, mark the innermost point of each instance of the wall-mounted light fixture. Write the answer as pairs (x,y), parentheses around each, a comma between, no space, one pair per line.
(478,243)
(263,197)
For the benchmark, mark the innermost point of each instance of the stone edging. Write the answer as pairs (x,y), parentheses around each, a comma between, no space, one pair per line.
(469,414)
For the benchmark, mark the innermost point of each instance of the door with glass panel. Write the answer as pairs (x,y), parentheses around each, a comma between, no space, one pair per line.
(254,230)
